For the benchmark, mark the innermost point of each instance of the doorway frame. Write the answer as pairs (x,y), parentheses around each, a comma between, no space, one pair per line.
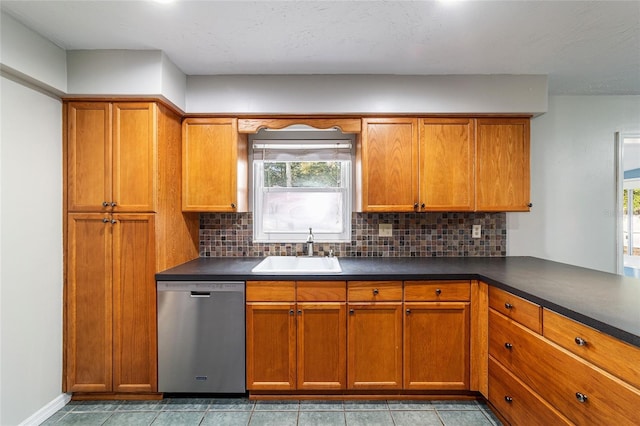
(619,156)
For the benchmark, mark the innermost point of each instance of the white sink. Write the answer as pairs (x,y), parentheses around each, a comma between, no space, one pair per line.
(298,265)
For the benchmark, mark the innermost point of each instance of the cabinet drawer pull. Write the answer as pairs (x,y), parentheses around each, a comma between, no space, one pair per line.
(508,399)
(508,345)
(580,341)
(508,305)
(375,291)
(438,291)
(581,397)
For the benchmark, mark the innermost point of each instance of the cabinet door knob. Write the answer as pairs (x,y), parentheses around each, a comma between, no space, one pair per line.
(408,311)
(415,205)
(291,312)
(422,206)
(438,291)
(530,205)
(375,291)
(113,204)
(105,204)
(508,305)
(581,397)
(580,341)
(351,311)
(105,220)
(508,399)
(233,205)
(508,345)
(299,311)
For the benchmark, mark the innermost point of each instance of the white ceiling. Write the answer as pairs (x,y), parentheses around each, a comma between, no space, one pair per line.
(586,47)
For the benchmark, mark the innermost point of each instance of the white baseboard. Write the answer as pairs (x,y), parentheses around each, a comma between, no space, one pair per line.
(47,411)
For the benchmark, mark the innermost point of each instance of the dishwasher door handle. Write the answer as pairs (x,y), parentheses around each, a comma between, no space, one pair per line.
(200,294)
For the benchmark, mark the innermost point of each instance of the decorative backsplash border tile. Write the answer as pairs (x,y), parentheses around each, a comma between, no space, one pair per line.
(414,235)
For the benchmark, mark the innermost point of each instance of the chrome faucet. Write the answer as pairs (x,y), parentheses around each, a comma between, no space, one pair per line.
(310,243)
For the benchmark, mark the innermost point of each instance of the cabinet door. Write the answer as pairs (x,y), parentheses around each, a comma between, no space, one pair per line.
(502,165)
(271,346)
(209,164)
(389,164)
(134,304)
(374,349)
(436,346)
(88,351)
(134,157)
(88,156)
(322,345)
(447,149)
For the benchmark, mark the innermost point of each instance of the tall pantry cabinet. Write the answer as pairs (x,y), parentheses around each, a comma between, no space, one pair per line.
(124,224)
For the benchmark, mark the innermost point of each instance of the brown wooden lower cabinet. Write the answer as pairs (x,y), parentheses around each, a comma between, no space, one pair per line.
(271,346)
(111,323)
(436,346)
(358,336)
(517,402)
(374,348)
(322,345)
(582,392)
(296,345)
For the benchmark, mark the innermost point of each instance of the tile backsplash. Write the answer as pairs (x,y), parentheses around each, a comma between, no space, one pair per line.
(414,234)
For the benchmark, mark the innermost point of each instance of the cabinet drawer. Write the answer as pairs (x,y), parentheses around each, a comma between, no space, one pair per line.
(581,391)
(374,291)
(517,402)
(321,291)
(610,354)
(435,291)
(526,313)
(270,291)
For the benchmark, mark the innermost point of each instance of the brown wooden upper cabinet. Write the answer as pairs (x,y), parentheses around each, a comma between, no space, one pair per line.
(389,166)
(445,164)
(502,164)
(112,149)
(212,157)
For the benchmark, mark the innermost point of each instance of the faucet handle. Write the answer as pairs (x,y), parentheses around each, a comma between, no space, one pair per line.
(330,252)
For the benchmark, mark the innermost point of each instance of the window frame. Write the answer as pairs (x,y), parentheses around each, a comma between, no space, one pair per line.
(314,150)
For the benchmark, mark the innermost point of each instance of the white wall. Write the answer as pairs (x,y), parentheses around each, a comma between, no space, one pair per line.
(31,56)
(30,251)
(125,72)
(573,181)
(326,94)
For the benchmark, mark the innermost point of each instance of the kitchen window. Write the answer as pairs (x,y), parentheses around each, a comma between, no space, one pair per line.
(302,184)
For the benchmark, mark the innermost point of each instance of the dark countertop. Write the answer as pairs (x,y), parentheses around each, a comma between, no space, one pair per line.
(607,302)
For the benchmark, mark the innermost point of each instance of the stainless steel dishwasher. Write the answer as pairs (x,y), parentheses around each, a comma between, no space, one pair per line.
(201,336)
